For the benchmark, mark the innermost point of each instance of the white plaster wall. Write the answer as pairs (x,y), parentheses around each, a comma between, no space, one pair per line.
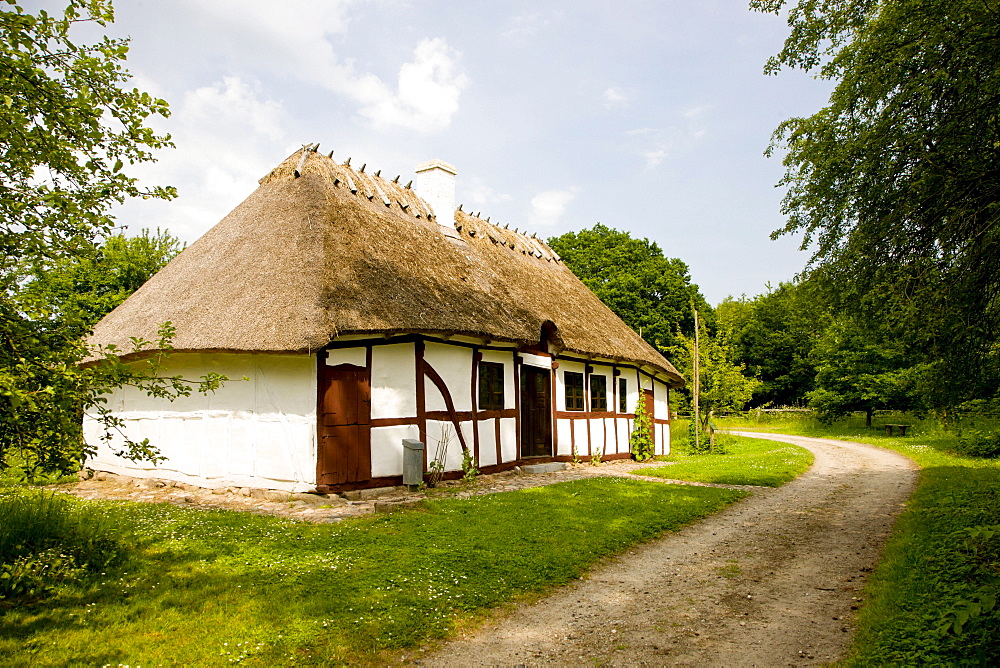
(255,433)
(394,381)
(387,448)
(660,401)
(507,359)
(541,361)
(663,447)
(580,433)
(487,442)
(597,436)
(453,453)
(508,439)
(622,425)
(646,381)
(564,366)
(564,428)
(355,356)
(454,365)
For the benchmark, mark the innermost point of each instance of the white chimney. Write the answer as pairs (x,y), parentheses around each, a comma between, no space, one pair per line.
(435,182)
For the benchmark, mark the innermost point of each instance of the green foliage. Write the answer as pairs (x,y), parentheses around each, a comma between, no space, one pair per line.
(982,444)
(75,292)
(893,182)
(48,391)
(859,370)
(47,540)
(469,468)
(747,461)
(724,385)
(207,587)
(933,598)
(68,128)
(773,335)
(641,439)
(651,293)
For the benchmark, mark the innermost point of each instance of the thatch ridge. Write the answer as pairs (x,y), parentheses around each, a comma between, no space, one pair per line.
(321,250)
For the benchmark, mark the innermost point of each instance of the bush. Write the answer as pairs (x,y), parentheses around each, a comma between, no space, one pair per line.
(981,444)
(48,539)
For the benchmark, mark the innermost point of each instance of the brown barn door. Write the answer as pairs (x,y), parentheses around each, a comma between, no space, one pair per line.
(344,454)
(648,394)
(536,412)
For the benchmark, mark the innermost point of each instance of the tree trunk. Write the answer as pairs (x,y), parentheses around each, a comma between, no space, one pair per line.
(868,417)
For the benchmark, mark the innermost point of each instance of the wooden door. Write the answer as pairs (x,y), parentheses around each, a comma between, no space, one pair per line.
(648,395)
(344,454)
(536,412)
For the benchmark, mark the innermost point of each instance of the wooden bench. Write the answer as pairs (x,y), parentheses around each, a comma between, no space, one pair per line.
(902,429)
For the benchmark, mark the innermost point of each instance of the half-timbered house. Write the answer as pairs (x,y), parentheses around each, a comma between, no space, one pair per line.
(360,318)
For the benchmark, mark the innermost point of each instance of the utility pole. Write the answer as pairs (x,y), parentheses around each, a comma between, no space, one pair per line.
(696,389)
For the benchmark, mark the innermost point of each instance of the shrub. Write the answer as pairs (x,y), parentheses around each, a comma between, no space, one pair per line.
(982,444)
(641,439)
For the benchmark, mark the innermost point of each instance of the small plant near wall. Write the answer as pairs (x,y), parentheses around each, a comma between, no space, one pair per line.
(436,466)
(641,440)
(469,468)
(595,458)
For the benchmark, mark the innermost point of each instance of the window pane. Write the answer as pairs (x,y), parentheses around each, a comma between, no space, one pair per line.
(598,393)
(490,386)
(622,395)
(574,391)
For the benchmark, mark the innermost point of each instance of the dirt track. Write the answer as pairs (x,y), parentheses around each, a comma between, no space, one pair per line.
(774,580)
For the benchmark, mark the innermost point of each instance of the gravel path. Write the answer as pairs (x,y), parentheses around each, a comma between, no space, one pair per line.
(773,580)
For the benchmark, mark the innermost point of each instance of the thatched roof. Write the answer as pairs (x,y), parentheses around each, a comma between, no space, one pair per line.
(321,250)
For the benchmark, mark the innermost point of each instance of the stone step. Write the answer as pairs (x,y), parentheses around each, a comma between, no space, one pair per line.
(548,467)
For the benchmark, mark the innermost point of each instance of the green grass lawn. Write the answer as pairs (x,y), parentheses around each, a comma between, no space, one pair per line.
(932,600)
(748,461)
(216,587)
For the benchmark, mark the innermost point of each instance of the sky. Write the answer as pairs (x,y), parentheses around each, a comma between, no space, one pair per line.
(649,116)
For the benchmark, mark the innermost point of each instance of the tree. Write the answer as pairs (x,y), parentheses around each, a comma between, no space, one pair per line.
(896,182)
(857,370)
(773,336)
(67,129)
(79,291)
(650,292)
(725,387)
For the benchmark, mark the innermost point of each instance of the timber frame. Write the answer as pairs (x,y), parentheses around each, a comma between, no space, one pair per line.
(482,420)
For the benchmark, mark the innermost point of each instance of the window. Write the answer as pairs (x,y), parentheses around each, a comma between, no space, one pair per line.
(490,386)
(574,390)
(598,393)
(622,395)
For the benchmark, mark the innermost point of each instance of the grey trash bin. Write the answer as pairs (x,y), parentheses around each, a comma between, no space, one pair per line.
(413,463)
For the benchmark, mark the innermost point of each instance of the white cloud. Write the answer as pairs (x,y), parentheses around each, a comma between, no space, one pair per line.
(549,206)
(654,157)
(481,194)
(428,90)
(292,36)
(227,135)
(615,97)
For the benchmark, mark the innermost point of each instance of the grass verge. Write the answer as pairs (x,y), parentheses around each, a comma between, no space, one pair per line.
(933,598)
(215,587)
(748,461)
